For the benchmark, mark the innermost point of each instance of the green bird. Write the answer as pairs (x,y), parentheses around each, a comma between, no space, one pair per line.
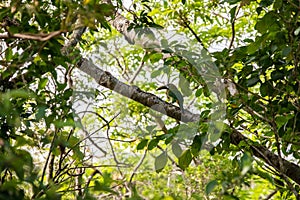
(173,93)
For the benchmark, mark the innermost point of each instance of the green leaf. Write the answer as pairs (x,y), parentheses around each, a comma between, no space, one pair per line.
(277,4)
(150,128)
(155,73)
(155,57)
(282,120)
(105,25)
(253,47)
(106,9)
(204,114)
(42,83)
(184,86)
(120,2)
(199,92)
(169,137)
(196,145)
(206,91)
(18,94)
(142,144)
(265,89)
(246,163)
(210,186)
(264,175)
(77,154)
(185,159)
(164,43)
(59,60)
(176,149)
(160,162)
(101,187)
(152,144)
(266,3)
(232,13)
(8,54)
(252,81)
(41,113)
(72,141)
(277,75)
(216,130)
(286,51)
(267,23)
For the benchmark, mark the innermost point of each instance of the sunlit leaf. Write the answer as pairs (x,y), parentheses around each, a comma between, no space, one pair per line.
(152,144)
(185,159)
(142,144)
(8,54)
(282,120)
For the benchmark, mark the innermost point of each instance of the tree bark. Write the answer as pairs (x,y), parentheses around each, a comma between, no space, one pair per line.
(133,92)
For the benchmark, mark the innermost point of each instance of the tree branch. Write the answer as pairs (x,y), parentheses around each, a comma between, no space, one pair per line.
(107,80)
(27,36)
(291,170)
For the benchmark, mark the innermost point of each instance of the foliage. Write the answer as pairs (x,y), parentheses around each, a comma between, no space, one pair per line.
(52,148)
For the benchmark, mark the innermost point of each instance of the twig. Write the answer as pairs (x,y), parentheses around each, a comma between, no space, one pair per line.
(186,24)
(271,195)
(138,166)
(28,36)
(48,157)
(111,145)
(89,181)
(138,70)
(233,27)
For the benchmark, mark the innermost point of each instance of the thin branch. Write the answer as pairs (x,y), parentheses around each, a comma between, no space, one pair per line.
(233,27)
(51,168)
(281,165)
(233,33)
(138,70)
(112,148)
(138,166)
(271,195)
(96,171)
(274,127)
(117,140)
(48,157)
(123,59)
(186,24)
(28,36)
(85,138)
(298,7)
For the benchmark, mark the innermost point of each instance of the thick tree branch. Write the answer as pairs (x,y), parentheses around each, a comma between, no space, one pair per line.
(290,169)
(107,80)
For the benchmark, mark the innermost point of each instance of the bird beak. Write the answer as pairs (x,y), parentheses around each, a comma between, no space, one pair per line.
(162,88)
